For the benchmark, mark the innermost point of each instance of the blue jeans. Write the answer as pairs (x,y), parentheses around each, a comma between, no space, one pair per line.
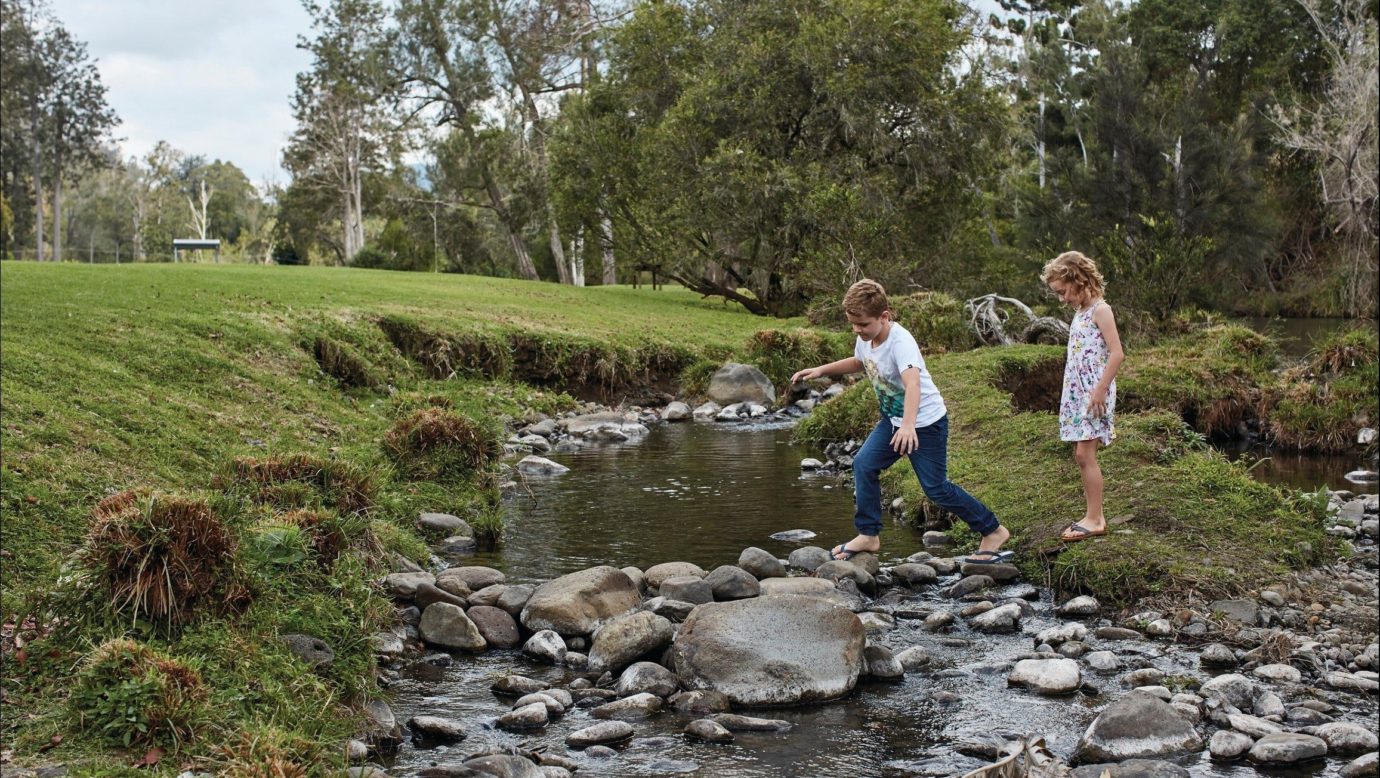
(931,462)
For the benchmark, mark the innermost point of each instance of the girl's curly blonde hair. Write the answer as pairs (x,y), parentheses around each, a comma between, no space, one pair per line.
(1076,270)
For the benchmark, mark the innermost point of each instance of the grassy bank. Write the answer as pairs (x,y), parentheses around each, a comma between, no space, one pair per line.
(1185,519)
(302,417)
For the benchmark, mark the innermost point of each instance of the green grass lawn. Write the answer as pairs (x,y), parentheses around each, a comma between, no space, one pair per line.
(160,376)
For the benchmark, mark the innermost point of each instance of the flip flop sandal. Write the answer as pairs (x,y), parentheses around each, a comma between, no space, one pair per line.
(842,553)
(1083,533)
(989,557)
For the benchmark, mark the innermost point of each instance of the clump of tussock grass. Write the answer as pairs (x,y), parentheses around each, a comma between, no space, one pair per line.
(1321,404)
(158,556)
(303,481)
(323,531)
(341,362)
(127,694)
(269,752)
(437,444)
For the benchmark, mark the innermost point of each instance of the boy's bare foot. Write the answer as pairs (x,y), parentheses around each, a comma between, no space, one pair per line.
(994,539)
(861,544)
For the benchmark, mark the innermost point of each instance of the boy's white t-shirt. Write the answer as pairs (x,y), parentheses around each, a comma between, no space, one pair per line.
(884,365)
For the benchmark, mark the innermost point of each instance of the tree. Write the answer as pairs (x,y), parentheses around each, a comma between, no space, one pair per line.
(1338,131)
(343,130)
(766,151)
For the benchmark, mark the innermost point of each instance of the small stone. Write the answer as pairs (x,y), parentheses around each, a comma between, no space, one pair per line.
(436,729)
(736,723)
(1278,673)
(600,734)
(708,730)
(1217,655)
(533,716)
(1271,597)
(1252,725)
(1116,633)
(1047,676)
(913,658)
(1228,744)
(1159,628)
(1343,737)
(1287,748)
(1079,607)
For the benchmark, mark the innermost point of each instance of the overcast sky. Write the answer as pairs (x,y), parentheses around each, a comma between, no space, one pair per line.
(211,77)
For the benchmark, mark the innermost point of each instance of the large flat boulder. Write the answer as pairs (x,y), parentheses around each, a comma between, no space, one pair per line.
(771,650)
(1137,726)
(577,603)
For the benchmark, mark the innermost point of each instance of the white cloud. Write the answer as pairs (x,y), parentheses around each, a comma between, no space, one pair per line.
(210,77)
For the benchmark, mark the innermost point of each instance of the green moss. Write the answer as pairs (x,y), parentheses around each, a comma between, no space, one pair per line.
(1186,518)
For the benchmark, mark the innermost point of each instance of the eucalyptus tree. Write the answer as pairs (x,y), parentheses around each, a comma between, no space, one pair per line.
(342,106)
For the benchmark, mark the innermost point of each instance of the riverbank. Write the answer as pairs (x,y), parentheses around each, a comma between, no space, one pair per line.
(305,419)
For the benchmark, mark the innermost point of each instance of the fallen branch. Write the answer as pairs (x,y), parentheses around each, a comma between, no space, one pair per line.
(989,321)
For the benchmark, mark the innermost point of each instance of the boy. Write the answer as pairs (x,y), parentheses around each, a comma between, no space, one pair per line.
(914,424)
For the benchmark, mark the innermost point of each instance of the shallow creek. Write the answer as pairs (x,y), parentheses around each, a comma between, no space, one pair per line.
(701,493)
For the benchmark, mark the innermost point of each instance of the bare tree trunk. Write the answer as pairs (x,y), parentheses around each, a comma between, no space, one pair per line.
(606,247)
(38,201)
(57,218)
(557,250)
(1040,141)
(505,220)
(577,258)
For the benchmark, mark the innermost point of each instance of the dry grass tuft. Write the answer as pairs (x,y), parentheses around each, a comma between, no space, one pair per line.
(157,555)
(436,443)
(302,480)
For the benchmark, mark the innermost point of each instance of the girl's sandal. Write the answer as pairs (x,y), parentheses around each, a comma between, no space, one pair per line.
(1080,533)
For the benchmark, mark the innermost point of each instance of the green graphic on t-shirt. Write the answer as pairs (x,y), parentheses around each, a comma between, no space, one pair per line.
(891,398)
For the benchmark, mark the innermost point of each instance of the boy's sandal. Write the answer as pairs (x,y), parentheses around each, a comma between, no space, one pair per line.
(842,553)
(1080,533)
(989,557)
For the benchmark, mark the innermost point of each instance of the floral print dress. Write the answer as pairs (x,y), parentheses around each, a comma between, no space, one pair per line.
(1087,358)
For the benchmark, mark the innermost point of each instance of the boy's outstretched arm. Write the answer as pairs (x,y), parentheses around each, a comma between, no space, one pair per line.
(841,367)
(904,440)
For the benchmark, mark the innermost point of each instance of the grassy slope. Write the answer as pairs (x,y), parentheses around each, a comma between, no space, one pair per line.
(1195,522)
(117,377)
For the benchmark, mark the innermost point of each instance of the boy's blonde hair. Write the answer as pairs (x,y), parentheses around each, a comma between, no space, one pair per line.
(866,298)
(1076,270)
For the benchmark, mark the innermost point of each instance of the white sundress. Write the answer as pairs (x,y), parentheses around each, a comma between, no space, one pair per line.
(1086,360)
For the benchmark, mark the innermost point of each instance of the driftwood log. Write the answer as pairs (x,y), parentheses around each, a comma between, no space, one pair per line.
(1004,321)
(1026,758)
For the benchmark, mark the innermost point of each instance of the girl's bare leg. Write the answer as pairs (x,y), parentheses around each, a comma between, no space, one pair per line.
(1085,453)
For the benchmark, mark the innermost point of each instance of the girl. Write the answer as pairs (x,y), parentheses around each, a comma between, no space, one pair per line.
(1089,397)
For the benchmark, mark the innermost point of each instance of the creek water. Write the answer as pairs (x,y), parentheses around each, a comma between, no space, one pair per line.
(701,493)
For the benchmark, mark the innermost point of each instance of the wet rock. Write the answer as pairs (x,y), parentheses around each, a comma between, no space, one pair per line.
(1159,628)
(706,412)
(1343,737)
(386,644)
(1236,690)
(533,716)
(624,639)
(877,623)
(516,686)
(914,574)
(1352,682)
(676,411)
(935,539)
(1137,726)
(553,706)
(1132,768)
(1217,655)
(838,569)
(514,598)
(496,626)
(601,752)
(1061,634)
(1079,607)
(761,564)
(1161,692)
(1116,633)
(1306,717)
(913,658)
(1267,704)
(1145,676)
(808,558)
(600,734)
(969,585)
(810,464)
(728,582)
(1228,744)
(504,766)
(577,603)
(673,611)
(700,702)
(687,588)
(938,620)
(1072,649)
(356,751)
(656,574)
(1278,673)
(488,596)
(446,626)
(1252,725)
(403,586)
(429,593)
(540,466)
(1240,611)
(735,723)
(1007,618)
(880,664)
(381,728)
(309,649)
(443,524)
(647,677)
(1362,766)
(770,650)
(638,706)
(738,383)
(546,645)
(708,730)
(436,729)
(1287,748)
(998,571)
(1047,676)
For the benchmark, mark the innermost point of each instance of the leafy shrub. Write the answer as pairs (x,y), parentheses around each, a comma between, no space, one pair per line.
(304,481)
(938,321)
(1323,403)
(779,353)
(128,694)
(158,555)
(433,443)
